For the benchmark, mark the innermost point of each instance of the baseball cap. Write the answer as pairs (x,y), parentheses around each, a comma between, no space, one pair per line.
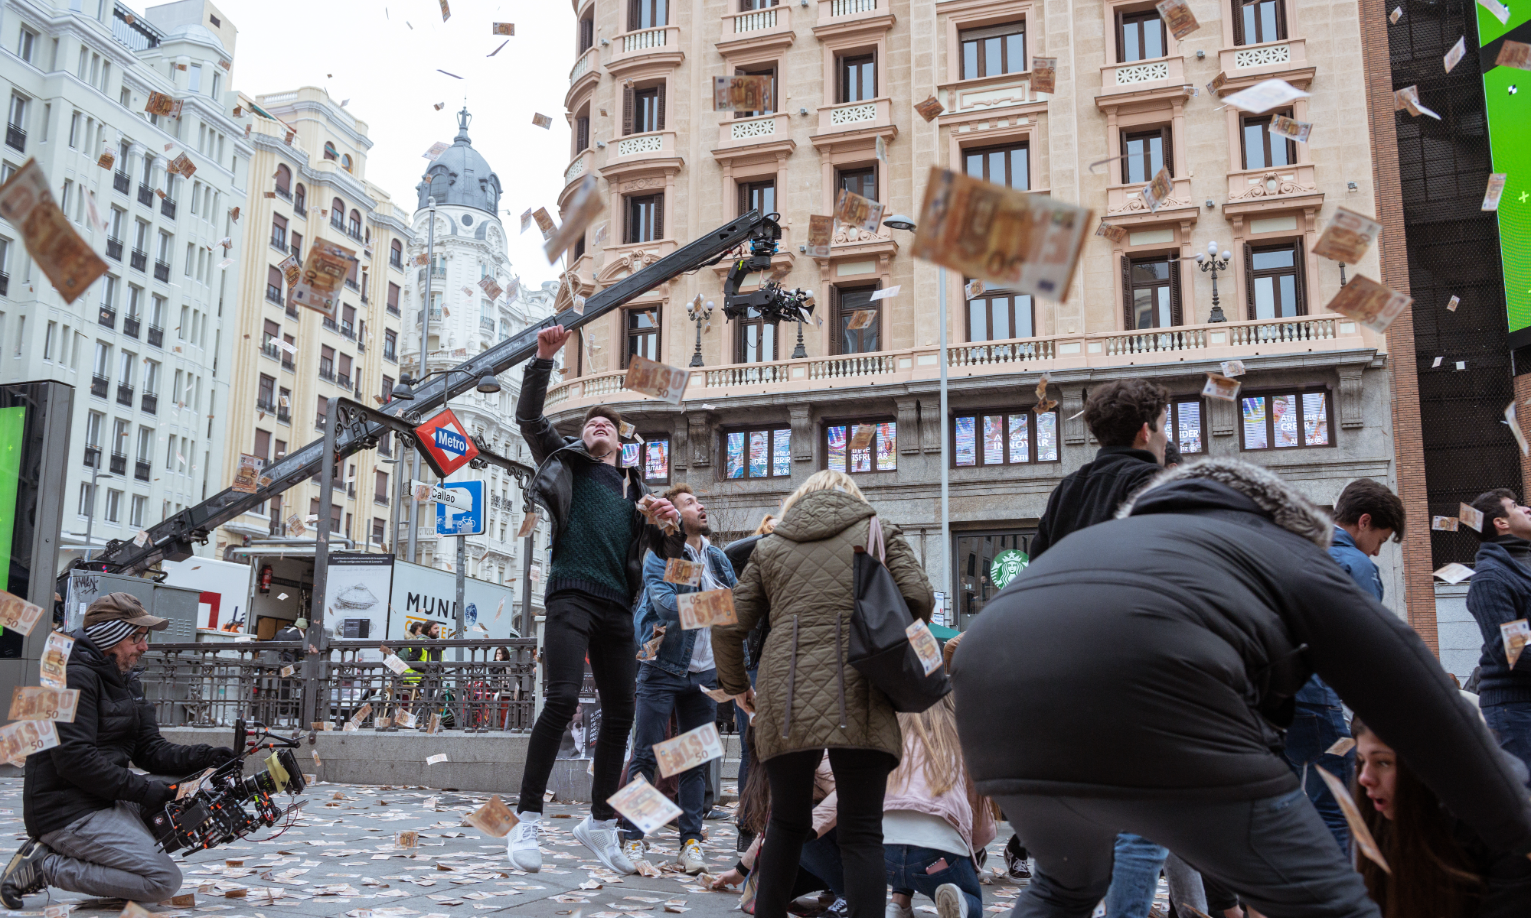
(123,607)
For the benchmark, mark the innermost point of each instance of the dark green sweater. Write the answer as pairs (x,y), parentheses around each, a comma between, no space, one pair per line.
(591,554)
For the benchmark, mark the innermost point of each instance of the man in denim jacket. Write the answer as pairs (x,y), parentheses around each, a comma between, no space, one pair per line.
(672,675)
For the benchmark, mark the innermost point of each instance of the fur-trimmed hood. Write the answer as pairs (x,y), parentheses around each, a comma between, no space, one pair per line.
(1267,494)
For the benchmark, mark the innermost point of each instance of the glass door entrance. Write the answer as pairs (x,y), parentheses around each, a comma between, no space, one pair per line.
(986,562)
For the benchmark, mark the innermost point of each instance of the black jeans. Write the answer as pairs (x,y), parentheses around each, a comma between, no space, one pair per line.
(861,775)
(578,625)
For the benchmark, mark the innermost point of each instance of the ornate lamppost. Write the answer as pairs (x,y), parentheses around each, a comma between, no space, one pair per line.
(1210,262)
(699,315)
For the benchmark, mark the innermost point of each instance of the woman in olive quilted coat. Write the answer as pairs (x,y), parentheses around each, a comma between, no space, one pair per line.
(806,698)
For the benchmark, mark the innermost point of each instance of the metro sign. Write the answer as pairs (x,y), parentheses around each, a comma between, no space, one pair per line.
(445,444)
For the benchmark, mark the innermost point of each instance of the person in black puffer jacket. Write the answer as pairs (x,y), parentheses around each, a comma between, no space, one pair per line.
(1146,694)
(85,810)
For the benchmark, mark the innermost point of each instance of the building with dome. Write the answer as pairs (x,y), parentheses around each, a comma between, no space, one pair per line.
(468,249)
(148,347)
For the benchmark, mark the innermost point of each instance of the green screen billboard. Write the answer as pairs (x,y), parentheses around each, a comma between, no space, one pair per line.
(1508,92)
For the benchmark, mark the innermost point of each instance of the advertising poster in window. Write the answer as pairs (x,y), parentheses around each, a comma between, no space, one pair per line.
(1315,416)
(1020,435)
(657,462)
(1254,423)
(1284,411)
(782,454)
(735,450)
(629,455)
(837,444)
(759,453)
(887,447)
(993,439)
(1189,435)
(967,451)
(1047,436)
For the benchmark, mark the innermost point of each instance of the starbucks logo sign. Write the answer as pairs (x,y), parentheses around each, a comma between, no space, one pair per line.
(1006,566)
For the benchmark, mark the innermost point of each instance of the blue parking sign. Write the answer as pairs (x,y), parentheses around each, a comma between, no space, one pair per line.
(455,521)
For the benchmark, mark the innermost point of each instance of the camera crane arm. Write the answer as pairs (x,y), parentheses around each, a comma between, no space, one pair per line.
(173,537)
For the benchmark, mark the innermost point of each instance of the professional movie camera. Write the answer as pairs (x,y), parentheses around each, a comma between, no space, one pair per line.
(210,807)
(771,301)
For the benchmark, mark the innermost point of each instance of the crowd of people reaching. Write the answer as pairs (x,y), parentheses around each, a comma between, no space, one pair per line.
(1156,692)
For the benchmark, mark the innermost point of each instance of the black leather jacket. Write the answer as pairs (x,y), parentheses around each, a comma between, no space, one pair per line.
(557,459)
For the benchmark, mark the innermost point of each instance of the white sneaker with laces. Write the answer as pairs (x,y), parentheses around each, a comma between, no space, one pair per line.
(691,857)
(603,839)
(950,902)
(633,849)
(521,843)
(895,910)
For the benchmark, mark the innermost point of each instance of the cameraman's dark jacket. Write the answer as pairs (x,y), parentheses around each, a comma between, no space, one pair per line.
(557,457)
(113,725)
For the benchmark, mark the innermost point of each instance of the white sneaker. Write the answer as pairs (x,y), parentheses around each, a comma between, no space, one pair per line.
(633,849)
(691,858)
(602,838)
(895,910)
(950,902)
(521,843)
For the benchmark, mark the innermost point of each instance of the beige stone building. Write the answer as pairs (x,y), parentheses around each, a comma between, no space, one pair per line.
(307,183)
(1129,98)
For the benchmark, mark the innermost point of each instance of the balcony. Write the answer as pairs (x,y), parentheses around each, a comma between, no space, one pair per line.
(279,242)
(486,325)
(874,116)
(264,403)
(139,259)
(361,347)
(125,395)
(15,138)
(130,326)
(5,284)
(1279,188)
(167,207)
(770,27)
(1024,357)
(646,146)
(645,46)
(390,355)
(162,270)
(121,182)
(327,373)
(331,324)
(149,403)
(395,260)
(284,193)
(338,222)
(156,336)
(296,251)
(583,162)
(342,380)
(299,208)
(284,416)
(348,330)
(99,386)
(1253,63)
(287,362)
(393,309)
(118,463)
(318,425)
(141,470)
(351,284)
(588,63)
(291,309)
(145,195)
(755,132)
(107,316)
(271,350)
(92,457)
(274,294)
(114,249)
(1125,204)
(839,12)
(988,93)
(1139,78)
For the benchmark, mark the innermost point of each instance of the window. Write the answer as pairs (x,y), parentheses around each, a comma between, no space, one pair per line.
(329,151)
(1262,149)
(390,344)
(379,530)
(1152,290)
(855,78)
(274,284)
(353,225)
(300,200)
(587,32)
(1000,314)
(1144,154)
(643,109)
(1258,21)
(759,196)
(581,131)
(647,14)
(861,181)
(654,453)
(1005,165)
(283,179)
(993,50)
(262,444)
(1185,426)
(136,513)
(1273,278)
(113,506)
(279,232)
(266,399)
(380,487)
(755,339)
(1286,420)
(326,362)
(74,130)
(645,218)
(345,163)
(765,70)
(25,43)
(759,453)
(1139,36)
(877,441)
(87,499)
(1009,437)
(848,302)
(642,334)
(393,298)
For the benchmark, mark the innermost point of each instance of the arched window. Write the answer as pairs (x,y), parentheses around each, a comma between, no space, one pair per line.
(329,151)
(300,198)
(283,179)
(354,225)
(396,254)
(338,214)
(345,162)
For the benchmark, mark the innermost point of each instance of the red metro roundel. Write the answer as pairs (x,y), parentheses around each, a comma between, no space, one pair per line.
(445,444)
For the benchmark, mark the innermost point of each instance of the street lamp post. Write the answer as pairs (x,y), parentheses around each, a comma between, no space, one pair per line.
(698,315)
(1210,262)
(425,324)
(799,352)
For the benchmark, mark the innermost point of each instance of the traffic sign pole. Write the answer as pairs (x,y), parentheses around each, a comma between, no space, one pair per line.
(462,584)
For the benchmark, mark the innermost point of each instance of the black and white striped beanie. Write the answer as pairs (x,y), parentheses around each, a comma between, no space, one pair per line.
(108,634)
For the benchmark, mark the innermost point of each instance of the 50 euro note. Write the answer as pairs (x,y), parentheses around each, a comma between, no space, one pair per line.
(681,571)
(820,229)
(704,610)
(1178,17)
(689,750)
(24,737)
(584,207)
(660,380)
(644,806)
(1515,635)
(855,210)
(1027,242)
(68,261)
(17,614)
(493,818)
(1369,303)
(54,665)
(40,702)
(1282,126)
(326,268)
(741,93)
(1347,237)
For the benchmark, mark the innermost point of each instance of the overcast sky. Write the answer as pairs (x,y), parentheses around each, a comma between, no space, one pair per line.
(383,55)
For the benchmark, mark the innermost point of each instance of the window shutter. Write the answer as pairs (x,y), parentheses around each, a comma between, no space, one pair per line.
(661,107)
(1302,278)
(658,216)
(1126,293)
(1238,23)
(1169,149)
(634,15)
(627,110)
(1177,316)
(1249,282)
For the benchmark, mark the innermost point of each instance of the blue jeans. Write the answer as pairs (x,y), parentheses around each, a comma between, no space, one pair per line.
(821,857)
(1511,725)
(741,726)
(1315,728)
(660,693)
(1134,876)
(907,866)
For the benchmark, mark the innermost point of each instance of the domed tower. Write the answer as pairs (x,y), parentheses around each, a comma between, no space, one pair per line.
(476,302)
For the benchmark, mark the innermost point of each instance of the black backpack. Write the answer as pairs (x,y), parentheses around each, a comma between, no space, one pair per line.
(879,640)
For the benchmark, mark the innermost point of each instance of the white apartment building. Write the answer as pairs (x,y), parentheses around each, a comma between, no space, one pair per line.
(470,245)
(143,347)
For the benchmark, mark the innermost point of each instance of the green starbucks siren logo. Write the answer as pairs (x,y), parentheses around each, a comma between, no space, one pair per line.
(1007,564)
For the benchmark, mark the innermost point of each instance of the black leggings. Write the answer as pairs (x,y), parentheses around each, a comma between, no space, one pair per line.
(861,776)
(579,624)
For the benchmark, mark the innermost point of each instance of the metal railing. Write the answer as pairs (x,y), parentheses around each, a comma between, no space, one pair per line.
(121,181)
(149,402)
(125,395)
(167,207)
(156,336)
(114,249)
(15,138)
(130,326)
(107,317)
(162,270)
(139,259)
(99,385)
(145,195)
(210,685)
(141,469)
(118,463)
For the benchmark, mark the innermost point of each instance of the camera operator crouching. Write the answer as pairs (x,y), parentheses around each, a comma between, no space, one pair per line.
(85,811)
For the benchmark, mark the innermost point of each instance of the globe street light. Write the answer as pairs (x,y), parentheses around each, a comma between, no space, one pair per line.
(1210,262)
